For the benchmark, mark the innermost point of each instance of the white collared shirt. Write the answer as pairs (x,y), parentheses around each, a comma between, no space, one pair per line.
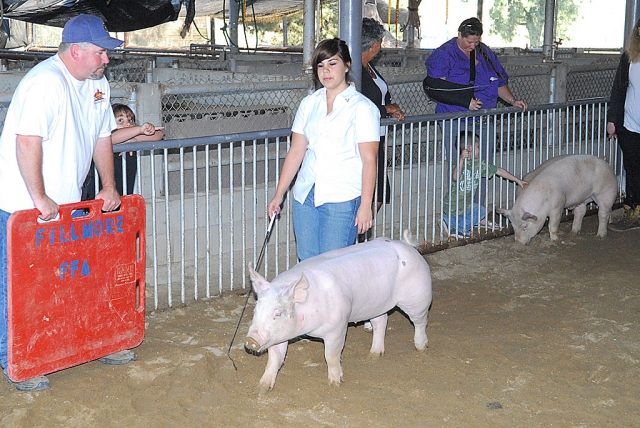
(332,161)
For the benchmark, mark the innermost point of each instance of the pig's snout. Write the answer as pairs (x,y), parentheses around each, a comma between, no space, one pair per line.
(252,346)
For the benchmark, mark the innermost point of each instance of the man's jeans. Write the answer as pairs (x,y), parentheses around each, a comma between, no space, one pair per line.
(4,217)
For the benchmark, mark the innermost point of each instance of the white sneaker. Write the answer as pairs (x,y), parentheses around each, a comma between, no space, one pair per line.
(368,327)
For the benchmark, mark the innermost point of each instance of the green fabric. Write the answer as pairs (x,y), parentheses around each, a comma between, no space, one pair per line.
(462,190)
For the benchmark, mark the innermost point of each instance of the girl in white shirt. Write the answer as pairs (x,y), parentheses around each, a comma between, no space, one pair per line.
(334,148)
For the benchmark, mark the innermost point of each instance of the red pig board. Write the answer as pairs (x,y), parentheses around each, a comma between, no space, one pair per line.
(76,286)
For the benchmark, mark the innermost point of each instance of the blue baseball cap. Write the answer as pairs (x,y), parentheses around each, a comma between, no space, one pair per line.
(88,28)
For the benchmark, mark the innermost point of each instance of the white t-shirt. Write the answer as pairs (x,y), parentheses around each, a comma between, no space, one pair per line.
(332,161)
(70,116)
(632,102)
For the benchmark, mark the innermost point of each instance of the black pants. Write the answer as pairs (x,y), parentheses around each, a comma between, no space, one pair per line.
(629,143)
(89,187)
(383,195)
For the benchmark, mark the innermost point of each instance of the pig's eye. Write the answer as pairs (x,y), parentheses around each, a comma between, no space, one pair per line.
(277,313)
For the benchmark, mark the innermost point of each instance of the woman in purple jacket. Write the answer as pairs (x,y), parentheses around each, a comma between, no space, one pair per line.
(452,62)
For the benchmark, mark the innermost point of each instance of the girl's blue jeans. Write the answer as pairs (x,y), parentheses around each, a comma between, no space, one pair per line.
(327,227)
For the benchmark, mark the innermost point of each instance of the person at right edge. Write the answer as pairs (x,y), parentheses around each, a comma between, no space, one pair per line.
(623,121)
(465,60)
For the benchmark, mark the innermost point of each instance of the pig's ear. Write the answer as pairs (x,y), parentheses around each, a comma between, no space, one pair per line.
(259,283)
(528,216)
(506,213)
(300,290)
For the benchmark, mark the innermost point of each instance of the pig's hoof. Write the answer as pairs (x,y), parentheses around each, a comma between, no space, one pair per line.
(374,355)
(263,389)
(335,383)
(422,348)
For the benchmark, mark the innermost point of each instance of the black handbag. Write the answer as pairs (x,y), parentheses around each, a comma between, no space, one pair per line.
(443,91)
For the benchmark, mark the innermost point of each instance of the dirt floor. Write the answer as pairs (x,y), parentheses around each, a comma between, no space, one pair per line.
(536,336)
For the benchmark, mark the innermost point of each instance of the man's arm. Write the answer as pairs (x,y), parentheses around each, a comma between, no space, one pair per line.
(103,159)
(29,157)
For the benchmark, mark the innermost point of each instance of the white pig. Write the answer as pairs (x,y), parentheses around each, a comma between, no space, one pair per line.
(569,181)
(321,295)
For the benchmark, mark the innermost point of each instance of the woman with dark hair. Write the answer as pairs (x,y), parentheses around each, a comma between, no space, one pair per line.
(624,122)
(376,89)
(334,146)
(454,60)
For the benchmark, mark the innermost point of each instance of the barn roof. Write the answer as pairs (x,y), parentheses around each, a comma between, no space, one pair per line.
(131,15)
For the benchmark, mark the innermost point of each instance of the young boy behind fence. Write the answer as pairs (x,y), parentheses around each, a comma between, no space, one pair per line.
(461,214)
(127,131)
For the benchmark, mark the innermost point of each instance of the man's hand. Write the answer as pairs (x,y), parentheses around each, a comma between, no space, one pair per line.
(47,207)
(110,197)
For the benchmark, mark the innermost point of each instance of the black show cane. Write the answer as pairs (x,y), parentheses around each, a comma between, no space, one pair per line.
(258,262)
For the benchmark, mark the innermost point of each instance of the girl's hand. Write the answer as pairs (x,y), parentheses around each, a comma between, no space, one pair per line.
(523,184)
(364,218)
(274,206)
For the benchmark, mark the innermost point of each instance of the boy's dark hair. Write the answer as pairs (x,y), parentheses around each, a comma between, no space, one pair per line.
(124,109)
(465,138)
(328,48)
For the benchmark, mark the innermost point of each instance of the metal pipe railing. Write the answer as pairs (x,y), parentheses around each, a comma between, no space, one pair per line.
(211,210)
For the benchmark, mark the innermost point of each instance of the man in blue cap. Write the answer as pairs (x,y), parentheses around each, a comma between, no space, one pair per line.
(59,119)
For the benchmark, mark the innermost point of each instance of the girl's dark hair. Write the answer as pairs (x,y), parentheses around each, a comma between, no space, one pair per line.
(470,27)
(372,31)
(328,48)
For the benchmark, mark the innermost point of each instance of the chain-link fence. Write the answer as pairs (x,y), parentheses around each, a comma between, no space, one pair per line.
(230,108)
(583,84)
(204,97)
(131,70)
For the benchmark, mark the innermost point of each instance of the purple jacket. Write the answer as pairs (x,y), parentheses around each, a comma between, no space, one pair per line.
(450,62)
